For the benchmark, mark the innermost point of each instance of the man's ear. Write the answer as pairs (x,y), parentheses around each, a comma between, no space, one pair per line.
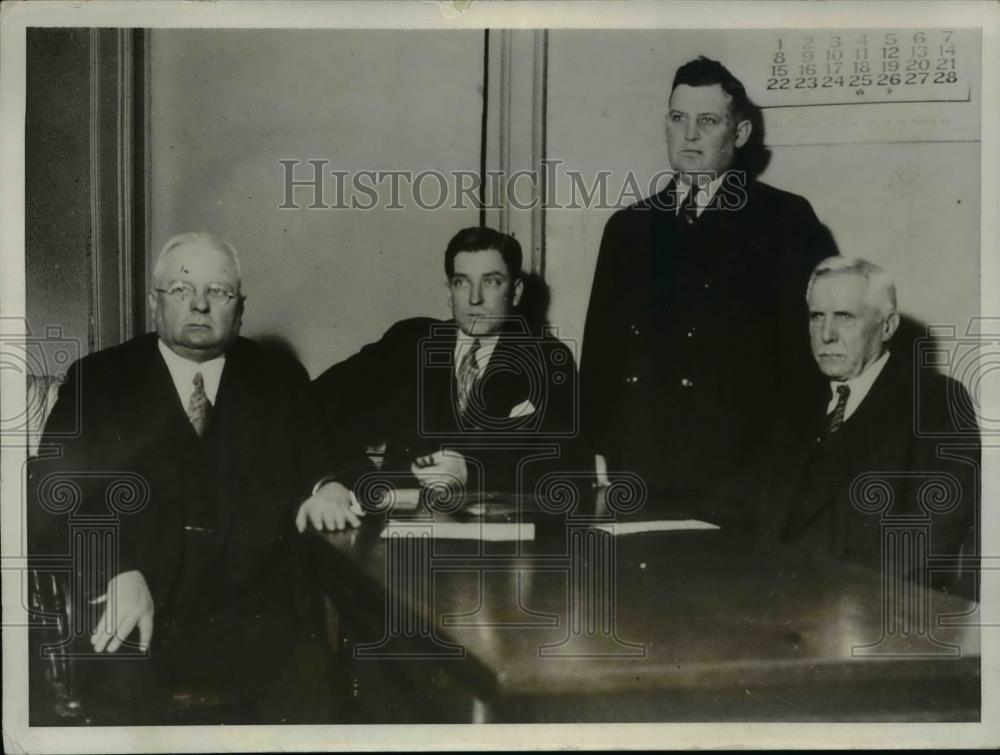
(743,129)
(889,326)
(153,302)
(518,291)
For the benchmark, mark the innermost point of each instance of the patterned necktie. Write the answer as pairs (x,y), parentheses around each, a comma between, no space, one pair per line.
(468,373)
(687,212)
(199,407)
(836,418)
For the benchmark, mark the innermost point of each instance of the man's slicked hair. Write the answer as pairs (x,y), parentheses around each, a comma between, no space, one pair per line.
(196,237)
(705,72)
(481,239)
(881,289)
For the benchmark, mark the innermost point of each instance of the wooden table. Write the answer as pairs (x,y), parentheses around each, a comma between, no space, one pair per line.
(582,625)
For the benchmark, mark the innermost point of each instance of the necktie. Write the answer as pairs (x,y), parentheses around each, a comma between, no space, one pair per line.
(199,407)
(468,373)
(687,212)
(836,418)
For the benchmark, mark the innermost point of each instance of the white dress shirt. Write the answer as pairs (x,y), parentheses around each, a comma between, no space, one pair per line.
(859,386)
(702,199)
(182,371)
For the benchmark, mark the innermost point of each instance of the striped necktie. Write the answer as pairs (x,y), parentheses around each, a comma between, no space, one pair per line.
(468,373)
(836,418)
(199,407)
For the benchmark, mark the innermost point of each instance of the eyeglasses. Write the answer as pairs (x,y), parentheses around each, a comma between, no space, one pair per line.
(182,292)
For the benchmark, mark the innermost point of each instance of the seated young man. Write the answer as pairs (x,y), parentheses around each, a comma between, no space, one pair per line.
(476,403)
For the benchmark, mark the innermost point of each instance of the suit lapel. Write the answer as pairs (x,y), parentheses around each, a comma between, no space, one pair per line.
(507,376)
(874,419)
(504,379)
(788,479)
(150,424)
(239,420)
(817,478)
(149,403)
(440,389)
(877,418)
(663,259)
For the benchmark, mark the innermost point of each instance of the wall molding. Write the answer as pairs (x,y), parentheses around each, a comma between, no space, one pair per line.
(96,245)
(514,136)
(117,185)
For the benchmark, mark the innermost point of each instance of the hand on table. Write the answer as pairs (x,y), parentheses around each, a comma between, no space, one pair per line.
(128,603)
(329,508)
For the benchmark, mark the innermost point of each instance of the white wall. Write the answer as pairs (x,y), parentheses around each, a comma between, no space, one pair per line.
(227,105)
(911,206)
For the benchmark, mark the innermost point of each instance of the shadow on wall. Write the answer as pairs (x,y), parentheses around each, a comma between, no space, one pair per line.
(754,156)
(827,240)
(910,331)
(927,349)
(535,302)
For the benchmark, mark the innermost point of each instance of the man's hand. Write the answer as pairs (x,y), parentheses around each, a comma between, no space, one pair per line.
(328,509)
(441,469)
(129,603)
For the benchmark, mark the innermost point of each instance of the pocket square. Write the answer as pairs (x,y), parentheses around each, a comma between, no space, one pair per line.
(522,410)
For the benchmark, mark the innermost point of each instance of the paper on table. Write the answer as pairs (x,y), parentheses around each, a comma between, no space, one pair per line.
(491,531)
(668,525)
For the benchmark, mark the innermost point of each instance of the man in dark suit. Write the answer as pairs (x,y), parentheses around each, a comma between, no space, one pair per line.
(884,470)
(694,324)
(477,402)
(187,442)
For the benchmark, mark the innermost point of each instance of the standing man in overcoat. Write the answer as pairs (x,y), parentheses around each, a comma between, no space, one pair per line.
(695,327)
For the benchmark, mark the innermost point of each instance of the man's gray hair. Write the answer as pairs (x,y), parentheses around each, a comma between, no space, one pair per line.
(881,289)
(196,237)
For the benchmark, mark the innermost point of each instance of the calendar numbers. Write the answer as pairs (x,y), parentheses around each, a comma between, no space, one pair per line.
(888,65)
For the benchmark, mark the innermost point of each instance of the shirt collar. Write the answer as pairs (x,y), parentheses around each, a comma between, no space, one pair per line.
(859,386)
(182,372)
(704,196)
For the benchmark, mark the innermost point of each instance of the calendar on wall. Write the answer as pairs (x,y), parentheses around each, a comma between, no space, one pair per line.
(838,67)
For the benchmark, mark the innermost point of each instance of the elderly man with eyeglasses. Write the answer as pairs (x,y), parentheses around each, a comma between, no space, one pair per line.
(202,431)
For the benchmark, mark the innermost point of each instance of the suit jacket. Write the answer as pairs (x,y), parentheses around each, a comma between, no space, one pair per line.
(121,437)
(906,460)
(401,390)
(692,331)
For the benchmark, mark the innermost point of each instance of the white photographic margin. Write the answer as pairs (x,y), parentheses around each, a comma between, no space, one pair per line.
(17,16)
